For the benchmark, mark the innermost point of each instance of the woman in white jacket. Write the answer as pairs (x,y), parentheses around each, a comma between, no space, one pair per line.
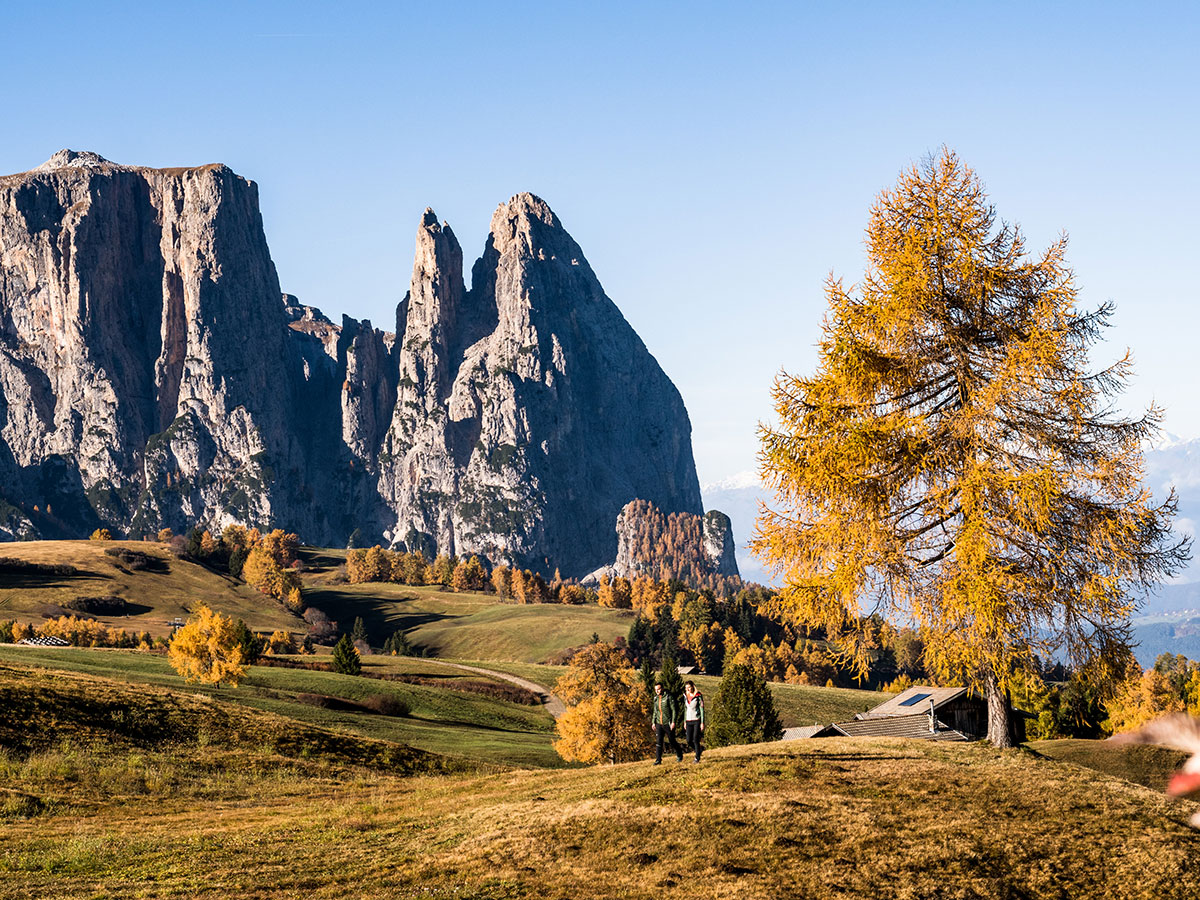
(693,716)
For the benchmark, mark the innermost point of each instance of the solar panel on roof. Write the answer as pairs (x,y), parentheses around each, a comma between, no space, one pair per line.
(914,700)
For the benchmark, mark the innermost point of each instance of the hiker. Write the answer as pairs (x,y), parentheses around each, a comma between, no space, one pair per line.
(662,721)
(693,716)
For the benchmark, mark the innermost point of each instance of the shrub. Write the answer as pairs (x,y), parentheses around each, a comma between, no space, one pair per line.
(98,606)
(321,628)
(387,705)
(100,534)
(137,560)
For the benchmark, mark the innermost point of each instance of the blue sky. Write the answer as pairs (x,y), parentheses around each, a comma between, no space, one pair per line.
(714,162)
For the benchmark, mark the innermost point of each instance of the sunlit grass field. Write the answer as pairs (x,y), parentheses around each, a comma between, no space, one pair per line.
(468,626)
(155,598)
(456,723)
(816,819)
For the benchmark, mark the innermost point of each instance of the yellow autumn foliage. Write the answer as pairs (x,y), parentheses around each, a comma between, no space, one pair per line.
(954,461)
(608,718)
(206,649)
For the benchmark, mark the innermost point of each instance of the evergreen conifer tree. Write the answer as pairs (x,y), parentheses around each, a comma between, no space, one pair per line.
(743,711)
(346,660)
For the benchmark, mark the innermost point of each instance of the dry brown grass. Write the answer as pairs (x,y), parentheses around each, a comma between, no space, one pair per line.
(821,819)
(155,597)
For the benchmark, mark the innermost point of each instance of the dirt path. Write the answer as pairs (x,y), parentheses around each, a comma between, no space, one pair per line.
(554,706)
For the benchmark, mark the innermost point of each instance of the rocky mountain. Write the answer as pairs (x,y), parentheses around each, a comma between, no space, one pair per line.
(697,550)
(151,375)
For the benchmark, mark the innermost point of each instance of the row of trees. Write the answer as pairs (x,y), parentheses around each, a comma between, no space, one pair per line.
(468,573)
(81,632)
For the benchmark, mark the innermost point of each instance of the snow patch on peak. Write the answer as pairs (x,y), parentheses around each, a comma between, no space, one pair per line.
(740,481)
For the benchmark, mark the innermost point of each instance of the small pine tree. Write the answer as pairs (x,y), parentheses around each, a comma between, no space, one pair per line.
(252,646)
(648,678)
(359,631)
(671,680)
(194,540)
(346,660)
(743,712)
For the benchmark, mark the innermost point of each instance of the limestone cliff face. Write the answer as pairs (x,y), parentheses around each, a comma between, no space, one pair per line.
(150,375)
(125,396)
(529,412)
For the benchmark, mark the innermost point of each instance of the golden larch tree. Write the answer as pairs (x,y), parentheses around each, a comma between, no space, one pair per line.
(206,649)
(954,461)
(608,717)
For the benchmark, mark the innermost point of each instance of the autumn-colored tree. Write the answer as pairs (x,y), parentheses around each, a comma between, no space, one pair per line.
(502,581)
(649,597)
(520,589)
(476,575)
(165,534)
(232,536)
(206,649)
(573,594)
(101,534)
(414,568)
(280,641)
(458,580)
(263,572)
(954,461)
(282,546)
(441,570)
(208,544)
(615,592)
(294,600)
(607,716)
(1171,685)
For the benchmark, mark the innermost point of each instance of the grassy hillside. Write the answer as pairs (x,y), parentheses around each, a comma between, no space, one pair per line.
(84,711)
(457,723)
(1142,764)
(156,595)
(828,819)
(468,626)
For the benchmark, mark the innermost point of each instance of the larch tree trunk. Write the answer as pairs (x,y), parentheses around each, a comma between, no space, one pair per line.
(1000,732)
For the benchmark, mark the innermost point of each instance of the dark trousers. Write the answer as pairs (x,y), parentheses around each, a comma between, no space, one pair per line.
(692,729)
(667,732)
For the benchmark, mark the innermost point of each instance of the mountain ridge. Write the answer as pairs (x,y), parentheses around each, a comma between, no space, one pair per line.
(152,372)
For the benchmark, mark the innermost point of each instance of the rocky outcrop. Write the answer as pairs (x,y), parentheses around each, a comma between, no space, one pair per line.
(695,549)
(150,375)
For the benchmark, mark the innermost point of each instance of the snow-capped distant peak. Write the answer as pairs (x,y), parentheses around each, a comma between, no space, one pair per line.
(740,481)
(1168,441)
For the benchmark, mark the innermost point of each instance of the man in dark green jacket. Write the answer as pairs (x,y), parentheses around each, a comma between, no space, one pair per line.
(663,717)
